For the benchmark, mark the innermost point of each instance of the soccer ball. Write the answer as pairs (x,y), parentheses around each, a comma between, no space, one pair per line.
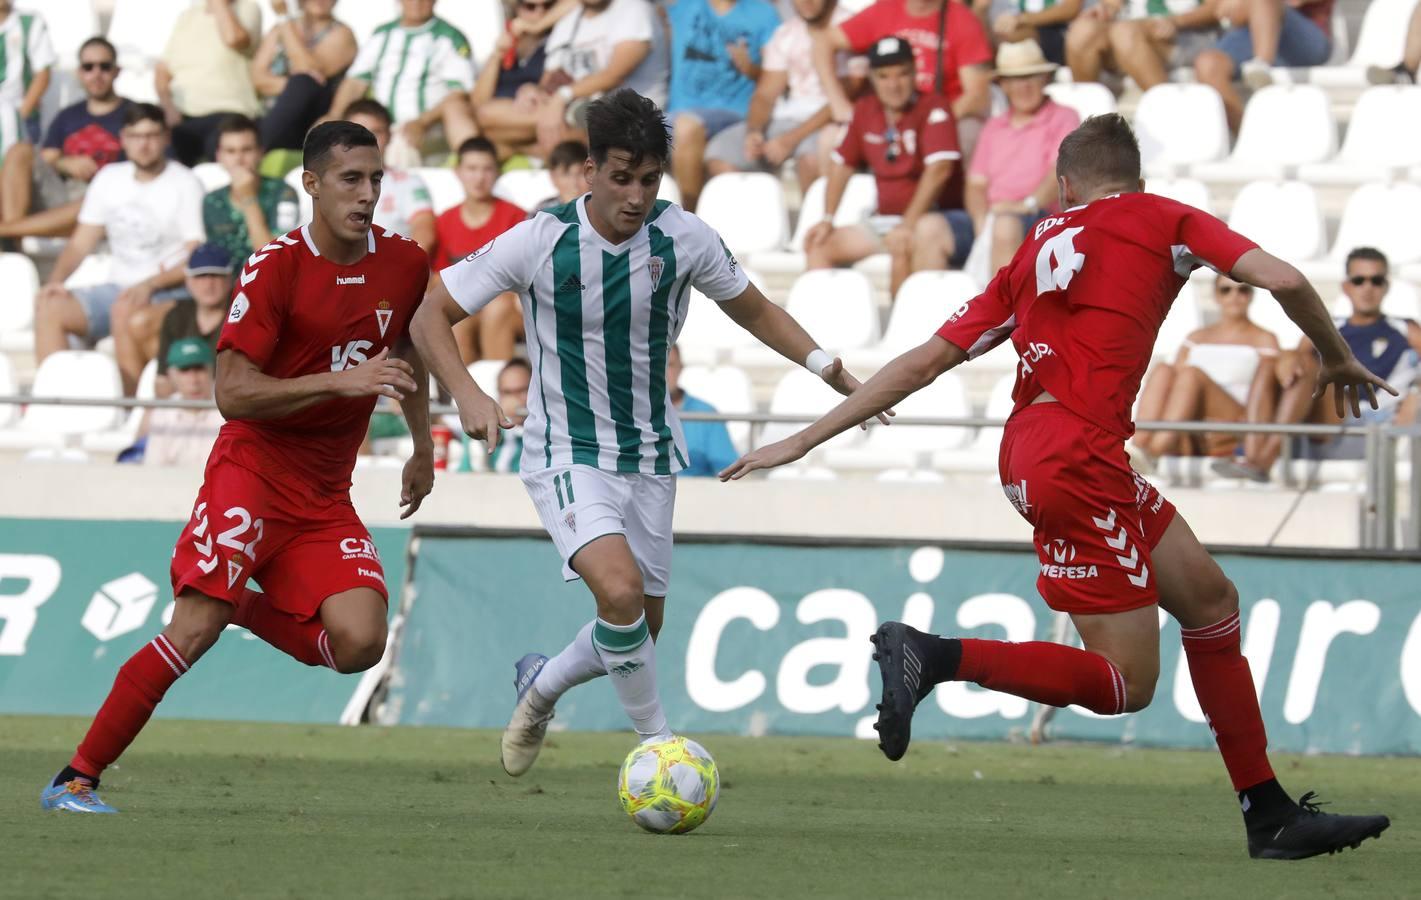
(670,786)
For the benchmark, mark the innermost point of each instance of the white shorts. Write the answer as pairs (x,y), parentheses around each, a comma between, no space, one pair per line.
(578,504)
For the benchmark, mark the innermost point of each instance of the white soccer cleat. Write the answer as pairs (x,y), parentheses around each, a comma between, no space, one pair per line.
(523,738)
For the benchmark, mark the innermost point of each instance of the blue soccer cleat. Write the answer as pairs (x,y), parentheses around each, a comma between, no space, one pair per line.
(523,737)
(74,795)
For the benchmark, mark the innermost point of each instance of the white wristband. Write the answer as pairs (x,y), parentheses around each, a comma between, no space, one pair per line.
(817,361)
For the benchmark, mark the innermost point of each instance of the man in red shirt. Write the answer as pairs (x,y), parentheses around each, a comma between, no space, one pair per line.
(306,351)
(908,140)
(952,55)
(462,229)
(1082,302)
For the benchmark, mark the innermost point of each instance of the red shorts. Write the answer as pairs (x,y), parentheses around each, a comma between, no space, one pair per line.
(1096,520)
(300,546)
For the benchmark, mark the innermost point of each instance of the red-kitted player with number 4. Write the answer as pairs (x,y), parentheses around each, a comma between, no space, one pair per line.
(1082,302)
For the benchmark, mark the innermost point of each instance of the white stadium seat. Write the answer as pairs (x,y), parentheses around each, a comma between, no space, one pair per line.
(748,209)
(981,454)
(93,269)
(801,392)
(1380,42)
(728,389)
(1088,98)
(1383,139)
(212,176)
(924,302)
(481,23)
(8,387)
(1184,319)
(17,307)
(669,190)
(445,190)
(1283,217)
(524,188)
(1266,313)
(709,335)
(140,30)
(902,446)
(69,373)
(1180,125)
(303,199)
(1381,216)
(70,24)
(834,305)
(858,203)
(110,442)
(1283,126)
(1190,191)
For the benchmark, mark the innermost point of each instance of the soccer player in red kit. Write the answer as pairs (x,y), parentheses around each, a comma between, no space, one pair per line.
(317,331)
(1082,302)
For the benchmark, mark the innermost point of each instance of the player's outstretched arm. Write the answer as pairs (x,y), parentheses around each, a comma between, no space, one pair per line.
(244,391)
(910,372)
(432,331)
(418,479)
(1350,379)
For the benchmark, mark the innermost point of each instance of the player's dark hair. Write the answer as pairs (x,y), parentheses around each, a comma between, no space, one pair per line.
(369,107)
(625,120)
(1366,254)
(568,153)
(143,112)
(516,362)
(236,123)
(1101,153)
(477,145)
(98,40)
(324,138)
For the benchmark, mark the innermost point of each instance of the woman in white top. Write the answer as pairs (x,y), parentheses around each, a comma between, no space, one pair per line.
(1209,380)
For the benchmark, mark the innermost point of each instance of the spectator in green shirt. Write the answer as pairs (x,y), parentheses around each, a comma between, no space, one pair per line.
(252,209)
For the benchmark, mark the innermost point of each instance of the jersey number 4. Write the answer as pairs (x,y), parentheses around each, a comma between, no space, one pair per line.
(1058,261)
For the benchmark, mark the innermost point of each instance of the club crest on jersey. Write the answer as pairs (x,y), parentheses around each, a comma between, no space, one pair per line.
(235,565)
(382,315)
(570,520)
(654,267)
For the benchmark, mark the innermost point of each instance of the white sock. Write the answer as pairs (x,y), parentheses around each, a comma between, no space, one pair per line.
(576,664)
(630,657)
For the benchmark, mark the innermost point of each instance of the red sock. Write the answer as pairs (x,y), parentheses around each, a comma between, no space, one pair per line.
(1224,685)
(305,642)
(140,685)
(1048,673)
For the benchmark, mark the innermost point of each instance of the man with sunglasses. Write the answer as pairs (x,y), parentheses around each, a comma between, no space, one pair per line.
(1388,346)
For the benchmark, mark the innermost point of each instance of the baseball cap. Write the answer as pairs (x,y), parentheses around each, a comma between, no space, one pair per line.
(186,353)
(889,51)
(209,259)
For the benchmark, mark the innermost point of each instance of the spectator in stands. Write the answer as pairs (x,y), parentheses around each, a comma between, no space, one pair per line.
(1042,21)
(708,443)
(252,209)
(1406,71)
(404,207)
(462,229)
(506,95)
(1264,33)
(1386,345)
(513,381)
(567,168)
(789,110)
(150,210)
(297,70)
(205,73)
(716,49)
(908,141)
(951,51)
(1012,177)
(25,65)
(201,314)
(599,47)
(1210,379)
(1143,39)
(81,140)
(184,437)
(419,67)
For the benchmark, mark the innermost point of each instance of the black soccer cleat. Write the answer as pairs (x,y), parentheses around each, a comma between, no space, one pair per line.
(903,687)
(1309,831)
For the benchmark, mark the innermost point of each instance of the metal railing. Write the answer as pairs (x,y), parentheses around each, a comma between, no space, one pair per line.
(1377,528)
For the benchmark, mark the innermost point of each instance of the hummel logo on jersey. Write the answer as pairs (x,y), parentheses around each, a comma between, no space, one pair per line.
(350,279)
(571,283)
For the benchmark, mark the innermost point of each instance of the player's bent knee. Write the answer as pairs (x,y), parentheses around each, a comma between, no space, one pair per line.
(358,651)
(1139,692)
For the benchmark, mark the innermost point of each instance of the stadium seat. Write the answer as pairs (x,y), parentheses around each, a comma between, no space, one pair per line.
(1381,216)
(1266,313)
(728,389)
(1380,42)
(212,176)
(906,446)
(1283,217)
(364,16)
(445,190)
(802,393)
(1185,190)
(303,199)
(70,24)
(69,373)
(748,209)
(1184,319)
(17,307)
(485,375)
(481,23)
(110,442)
(1088,98)
(8,387)
(981,454)
(801,472)
(910,476)
(524,188)
(858,203)
(139,29)
(923,303)
(93,269)
(834,305)
(1284,126)
(1383,139)
(708,335)
(1180,125)
(669,190)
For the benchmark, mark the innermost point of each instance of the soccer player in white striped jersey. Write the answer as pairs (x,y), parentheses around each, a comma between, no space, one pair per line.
(604,282)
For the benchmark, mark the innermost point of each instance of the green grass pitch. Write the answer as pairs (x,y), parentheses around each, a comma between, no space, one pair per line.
(228,810)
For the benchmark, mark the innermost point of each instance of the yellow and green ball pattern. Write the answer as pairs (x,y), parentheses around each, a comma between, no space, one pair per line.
(669,787)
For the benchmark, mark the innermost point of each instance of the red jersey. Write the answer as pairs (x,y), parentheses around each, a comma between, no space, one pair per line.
(964,40)
(1084,298)
(295,313)
(924,134)
(453,240)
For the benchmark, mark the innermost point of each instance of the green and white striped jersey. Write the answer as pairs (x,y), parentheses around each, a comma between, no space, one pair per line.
(1146,9)
(411,70)
(600,319)
(25,50)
